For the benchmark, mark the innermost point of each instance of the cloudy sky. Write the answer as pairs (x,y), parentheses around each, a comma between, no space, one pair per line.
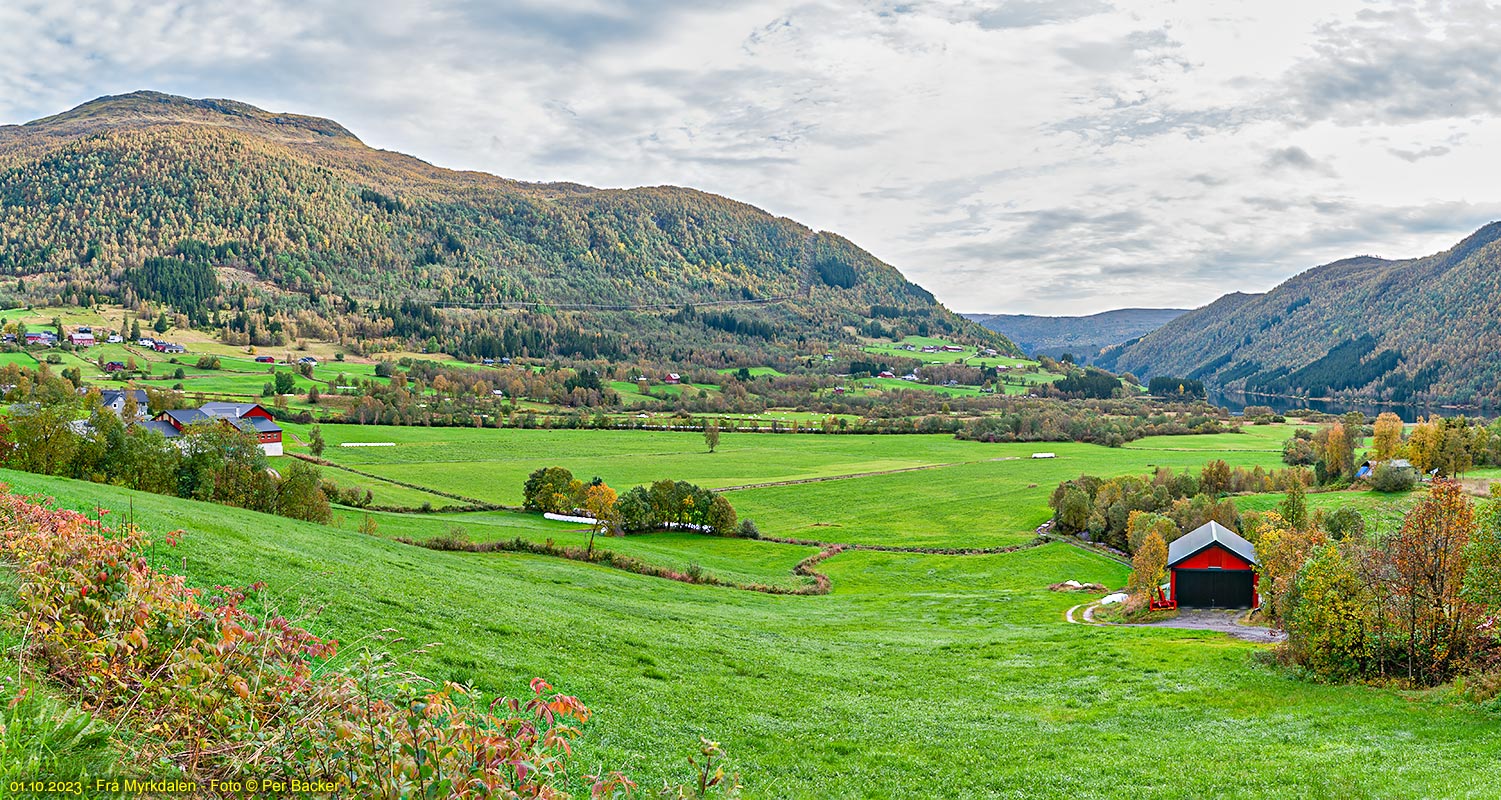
(1010,155)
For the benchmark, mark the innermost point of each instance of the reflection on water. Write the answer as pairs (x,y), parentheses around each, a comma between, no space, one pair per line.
(1236,402)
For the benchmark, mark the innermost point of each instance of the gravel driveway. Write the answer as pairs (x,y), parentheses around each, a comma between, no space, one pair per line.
(1207,619)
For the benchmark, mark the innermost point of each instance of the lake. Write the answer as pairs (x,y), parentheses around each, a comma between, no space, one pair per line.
(1236,403)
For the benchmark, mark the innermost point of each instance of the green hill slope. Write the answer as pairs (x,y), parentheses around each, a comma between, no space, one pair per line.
(905,682)
(1423,329)
(243,218)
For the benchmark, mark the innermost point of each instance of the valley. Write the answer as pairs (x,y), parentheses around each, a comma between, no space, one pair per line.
(968,656)
(319,460)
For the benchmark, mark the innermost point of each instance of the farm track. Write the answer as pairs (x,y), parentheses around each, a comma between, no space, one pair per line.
(1069,540)
(893,548)
(474,503)
(825,478)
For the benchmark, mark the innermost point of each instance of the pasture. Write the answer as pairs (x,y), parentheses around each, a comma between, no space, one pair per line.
(923,490)
(918,676)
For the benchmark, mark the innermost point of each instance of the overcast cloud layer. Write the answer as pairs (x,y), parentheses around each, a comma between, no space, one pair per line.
(1010,155)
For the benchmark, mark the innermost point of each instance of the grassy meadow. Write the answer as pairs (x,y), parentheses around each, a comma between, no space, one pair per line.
(918,676)
(924,490)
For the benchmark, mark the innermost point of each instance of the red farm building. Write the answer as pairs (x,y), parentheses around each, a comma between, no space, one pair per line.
(1213,567)
(249,417)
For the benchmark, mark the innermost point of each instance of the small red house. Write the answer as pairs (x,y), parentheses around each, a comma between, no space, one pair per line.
(1213,567)
(674,378)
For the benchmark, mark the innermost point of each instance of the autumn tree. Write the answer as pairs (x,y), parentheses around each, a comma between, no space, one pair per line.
(1429,564)
(1386,436)
(1339,453)
(1483,553)
(1294,508)
(299,493)
(549,490)
(1281,551)
(1423,445)
(1330,627)
(1215,477)
(711,435)
(602,504)
(1142,523)
(44,438)
(1148,568)
(1073,513)
(316,444)
(720,516)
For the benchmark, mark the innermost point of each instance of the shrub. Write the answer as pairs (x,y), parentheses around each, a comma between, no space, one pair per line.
(1330,627)
(1387,478)
(207,361)
(1345,523)
(749,529)
(226,694)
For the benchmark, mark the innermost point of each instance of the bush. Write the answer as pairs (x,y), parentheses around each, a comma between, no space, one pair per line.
(229,695)
(207,361)
(749,529)
(1387,478)
(1345,523)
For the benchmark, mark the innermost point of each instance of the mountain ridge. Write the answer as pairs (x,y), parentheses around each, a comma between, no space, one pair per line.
(1395,330)
(1081,336)
(332,228)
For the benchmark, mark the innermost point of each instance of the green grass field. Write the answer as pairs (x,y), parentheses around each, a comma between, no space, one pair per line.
(919,676)
(980,495)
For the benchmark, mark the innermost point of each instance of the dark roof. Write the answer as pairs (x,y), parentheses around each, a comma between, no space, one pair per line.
(164,428)
(260,425)
(109,396)
(186,416)
(1205,535)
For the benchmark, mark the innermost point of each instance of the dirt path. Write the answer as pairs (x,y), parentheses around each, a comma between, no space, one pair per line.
(1190,619)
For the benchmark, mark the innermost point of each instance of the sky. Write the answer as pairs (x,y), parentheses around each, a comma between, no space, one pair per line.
(1012,156)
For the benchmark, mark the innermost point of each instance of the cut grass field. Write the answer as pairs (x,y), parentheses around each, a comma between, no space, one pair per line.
(918,676)
(969,494)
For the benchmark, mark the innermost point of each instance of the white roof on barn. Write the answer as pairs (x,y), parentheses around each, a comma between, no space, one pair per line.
(1203,536)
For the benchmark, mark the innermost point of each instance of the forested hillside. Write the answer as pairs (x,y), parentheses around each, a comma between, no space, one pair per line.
(263,225)
(1083,337)
(1425,329)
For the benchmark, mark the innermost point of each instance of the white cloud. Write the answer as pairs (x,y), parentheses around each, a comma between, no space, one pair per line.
(1010,155)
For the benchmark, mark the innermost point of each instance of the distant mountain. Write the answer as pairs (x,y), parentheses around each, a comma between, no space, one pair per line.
(274,226)
(1423,329)
(1082,336)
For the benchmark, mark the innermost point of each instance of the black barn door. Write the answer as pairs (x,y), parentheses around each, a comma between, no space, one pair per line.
(1214,588)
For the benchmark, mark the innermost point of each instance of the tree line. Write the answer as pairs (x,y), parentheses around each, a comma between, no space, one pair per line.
(53,431)
(665,504)
(1415,605)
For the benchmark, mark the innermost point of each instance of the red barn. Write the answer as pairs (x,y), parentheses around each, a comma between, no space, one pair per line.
(1213,567)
